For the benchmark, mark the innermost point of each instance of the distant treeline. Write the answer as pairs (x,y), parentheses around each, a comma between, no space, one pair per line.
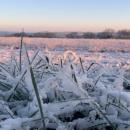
(107,34)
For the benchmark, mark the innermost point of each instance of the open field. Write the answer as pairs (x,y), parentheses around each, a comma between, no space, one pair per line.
(54,44)
(64,84)
(90,44)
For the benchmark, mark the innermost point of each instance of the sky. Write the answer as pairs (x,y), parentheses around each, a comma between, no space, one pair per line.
(64,15)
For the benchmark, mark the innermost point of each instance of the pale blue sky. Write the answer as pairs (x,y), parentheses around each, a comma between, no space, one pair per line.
(64,15)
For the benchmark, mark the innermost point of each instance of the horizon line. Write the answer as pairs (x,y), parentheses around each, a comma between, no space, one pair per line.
(103,30)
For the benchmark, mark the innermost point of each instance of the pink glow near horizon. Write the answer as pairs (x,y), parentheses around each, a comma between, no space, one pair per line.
(64,15)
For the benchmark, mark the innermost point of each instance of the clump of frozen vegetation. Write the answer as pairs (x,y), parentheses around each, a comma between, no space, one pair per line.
(62,92)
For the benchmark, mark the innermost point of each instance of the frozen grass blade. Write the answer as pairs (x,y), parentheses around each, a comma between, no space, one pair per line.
(35,89)
(40,60)
(20,55)
(34,113)
(15,87)
(100,111)
(73,74)
(16,65)
(6,72)
(90,66)
(47,59)
(34,57)
(4,86)
(3,68)
(81,64)
(38,97)
(26,54)
(61,62)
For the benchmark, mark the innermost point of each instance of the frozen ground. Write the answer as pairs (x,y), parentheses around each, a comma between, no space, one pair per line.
(80,45)
(82,87)
(88,44)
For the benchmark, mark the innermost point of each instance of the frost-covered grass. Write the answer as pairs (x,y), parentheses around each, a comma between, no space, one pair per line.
(63,91)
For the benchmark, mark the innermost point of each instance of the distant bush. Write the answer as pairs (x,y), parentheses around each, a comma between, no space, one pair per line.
(73,35)
(106,34)
(123,34)
(89,35)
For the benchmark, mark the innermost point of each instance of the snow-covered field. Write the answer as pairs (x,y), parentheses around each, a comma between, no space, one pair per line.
(71,85)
